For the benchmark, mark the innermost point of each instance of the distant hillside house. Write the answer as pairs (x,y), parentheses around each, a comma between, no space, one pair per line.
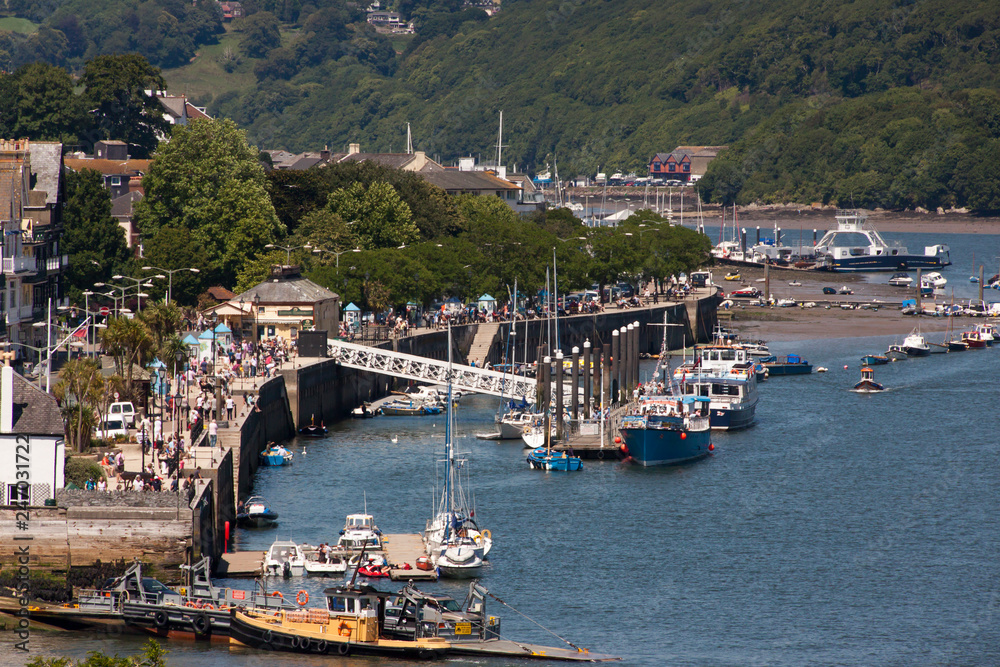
(231,10)
(683,162)
(390,22)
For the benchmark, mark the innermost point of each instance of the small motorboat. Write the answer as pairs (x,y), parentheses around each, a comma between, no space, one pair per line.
(317,567)
(400,408)
(313,430)
(794,283)
(900,280)
(284,559)
(546,459)
(363,411)
(733,276)
(255,513)
(974,340)
(360,533)
(275,455)
(934,279)
(896,353)
(957,346)
(845,290)
(867,383)
(874,360)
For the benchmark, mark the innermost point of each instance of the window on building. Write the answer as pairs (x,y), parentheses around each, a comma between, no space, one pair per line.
(18,493)
(270,331)
(672,167)
(687,167)
(294,332)
(116,180)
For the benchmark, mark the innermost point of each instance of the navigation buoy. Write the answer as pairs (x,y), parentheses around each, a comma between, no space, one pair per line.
(684,436)
(845,367)
(618,439)
(711,447)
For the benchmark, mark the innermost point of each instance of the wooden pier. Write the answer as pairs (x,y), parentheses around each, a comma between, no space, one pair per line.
(241,565)
(587,442)
(406,548)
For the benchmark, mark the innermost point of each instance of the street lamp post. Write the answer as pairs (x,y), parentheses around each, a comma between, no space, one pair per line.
(177,419)
(138,282)
(288,250)
(170,273)
(256,331)
(335,253)
(123,289)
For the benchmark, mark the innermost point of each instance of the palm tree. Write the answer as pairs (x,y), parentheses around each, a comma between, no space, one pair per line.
(80,380)
(129,343)
(163,320)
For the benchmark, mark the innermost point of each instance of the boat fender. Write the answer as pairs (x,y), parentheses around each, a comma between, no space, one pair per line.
(600,455)
(321,646)
(267,637)
(344,648)
(161,619)
(299,642)
(487,534)
(201,624)
(302,597)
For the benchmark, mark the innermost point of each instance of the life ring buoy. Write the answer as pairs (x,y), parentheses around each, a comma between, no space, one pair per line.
(479,539)
(191,604)
(343,648)
(161,619)
(277,594)
(487,534)
(208,606)
(321,646)
(302,597)
(344,630)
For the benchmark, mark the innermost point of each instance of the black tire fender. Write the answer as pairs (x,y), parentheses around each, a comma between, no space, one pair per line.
(202,625)
(161,619)
(321,646)
(343,648)
(268,636)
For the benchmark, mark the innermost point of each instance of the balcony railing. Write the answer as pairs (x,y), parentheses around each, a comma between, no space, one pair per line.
(15,265)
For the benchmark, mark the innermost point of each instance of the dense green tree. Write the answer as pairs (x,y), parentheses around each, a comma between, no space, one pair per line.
(207,180)
(47,108)
(80,382)
(120,109)
(260,34)
(175,247)
(94,240)
(378,216)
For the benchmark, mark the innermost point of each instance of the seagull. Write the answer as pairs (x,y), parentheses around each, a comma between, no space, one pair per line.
(394,439)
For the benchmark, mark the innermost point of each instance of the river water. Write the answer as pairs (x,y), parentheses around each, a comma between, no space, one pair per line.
(841,529)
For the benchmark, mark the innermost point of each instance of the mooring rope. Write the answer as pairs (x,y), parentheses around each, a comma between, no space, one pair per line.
(536,623)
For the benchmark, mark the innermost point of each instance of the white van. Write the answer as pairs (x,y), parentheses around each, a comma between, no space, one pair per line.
(124,411)
(110,429)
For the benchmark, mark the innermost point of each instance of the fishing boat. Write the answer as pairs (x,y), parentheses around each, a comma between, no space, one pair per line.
(915,345)
(867,383)
(667,430)
(901,280)
(513,423)
(454,542)
(857,246)
(791,364)
(360,533)
(313,430)
(284,559)
(544,458)
(275,455)
(896,353)
(874,360)
(255,513)
(974,340)
(988,332)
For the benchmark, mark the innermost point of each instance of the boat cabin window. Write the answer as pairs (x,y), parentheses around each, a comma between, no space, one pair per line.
(728,355)
(725,390)
(338,604)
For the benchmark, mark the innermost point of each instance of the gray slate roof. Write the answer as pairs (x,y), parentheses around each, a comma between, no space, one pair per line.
(46,166)
(393,160)
(121,207)
(291,289)
(35,412)
(452,179)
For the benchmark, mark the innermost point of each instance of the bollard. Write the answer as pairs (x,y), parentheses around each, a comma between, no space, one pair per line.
(560,398)
(587,378)
(615,358)
(574,400)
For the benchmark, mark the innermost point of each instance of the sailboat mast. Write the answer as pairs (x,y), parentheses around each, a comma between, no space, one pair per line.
(500,143)
(548,315)
(448,455)
(555,295)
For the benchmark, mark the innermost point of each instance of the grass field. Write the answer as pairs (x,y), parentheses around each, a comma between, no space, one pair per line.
(13,24)
(204,78)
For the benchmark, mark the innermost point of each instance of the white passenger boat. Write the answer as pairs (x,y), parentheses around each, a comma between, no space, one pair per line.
(284,559)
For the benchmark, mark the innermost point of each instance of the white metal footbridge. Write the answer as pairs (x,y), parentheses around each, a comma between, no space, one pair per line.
(422,369)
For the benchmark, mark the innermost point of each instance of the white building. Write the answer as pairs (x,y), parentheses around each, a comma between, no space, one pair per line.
(32,448)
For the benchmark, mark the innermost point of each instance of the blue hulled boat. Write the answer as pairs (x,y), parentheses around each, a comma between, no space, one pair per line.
(874,360)
(793,364)
(546,459)
(667,431)
(275,455)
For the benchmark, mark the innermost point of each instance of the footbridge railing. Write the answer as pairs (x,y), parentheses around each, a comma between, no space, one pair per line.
(422,369)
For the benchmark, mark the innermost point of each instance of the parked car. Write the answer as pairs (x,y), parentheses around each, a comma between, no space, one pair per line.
(124,411)
(829,290)
(745,293)
(109,429)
